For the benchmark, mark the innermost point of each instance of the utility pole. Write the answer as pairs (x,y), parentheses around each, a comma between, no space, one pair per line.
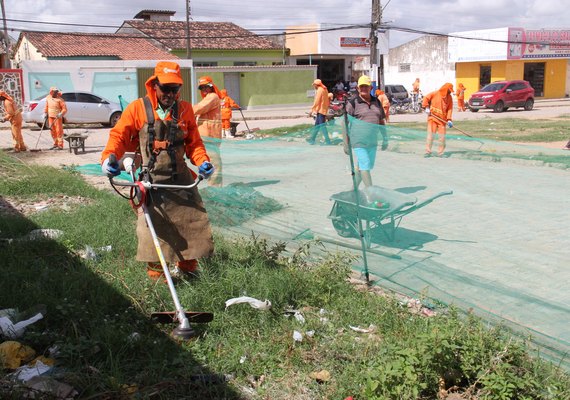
(375,23)
(6,58)
(188,49)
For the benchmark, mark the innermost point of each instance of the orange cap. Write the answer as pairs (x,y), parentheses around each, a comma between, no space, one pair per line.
(168,72)
(205,80)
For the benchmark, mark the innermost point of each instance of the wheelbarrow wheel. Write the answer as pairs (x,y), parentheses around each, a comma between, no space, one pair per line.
(343,222)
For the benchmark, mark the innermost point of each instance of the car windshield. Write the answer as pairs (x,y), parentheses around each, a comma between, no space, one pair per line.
(493,87)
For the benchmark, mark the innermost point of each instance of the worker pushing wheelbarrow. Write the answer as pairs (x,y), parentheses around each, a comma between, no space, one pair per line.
(173,225)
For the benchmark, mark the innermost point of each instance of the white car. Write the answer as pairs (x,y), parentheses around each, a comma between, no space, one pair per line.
(82,108)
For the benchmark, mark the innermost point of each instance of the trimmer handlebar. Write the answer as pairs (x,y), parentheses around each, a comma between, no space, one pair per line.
(128,163)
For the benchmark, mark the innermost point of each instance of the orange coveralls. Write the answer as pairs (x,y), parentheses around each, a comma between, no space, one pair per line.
(380,95)
(440,104)
(55,106)
(460,93)
(124,137)
(227,103)
(208,112)
(14,116)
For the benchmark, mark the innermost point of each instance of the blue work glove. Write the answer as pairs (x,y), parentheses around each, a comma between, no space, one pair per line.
(111,169)
(206,169)
(449,124)
(426,110)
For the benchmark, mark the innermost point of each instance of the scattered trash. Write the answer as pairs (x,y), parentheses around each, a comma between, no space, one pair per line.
(91,254)
(27,372)
(258,304)
(56,389)
(310,333)
(13,354)
(13,330)
(297,336)
(249,136)
(242,359)
(299,317)
(370,329)
(321,376)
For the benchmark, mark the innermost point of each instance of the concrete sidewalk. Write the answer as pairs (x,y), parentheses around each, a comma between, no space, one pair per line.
(302,111)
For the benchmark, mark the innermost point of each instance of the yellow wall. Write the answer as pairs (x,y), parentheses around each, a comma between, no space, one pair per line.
(554,75)
(302,44)
(555,78)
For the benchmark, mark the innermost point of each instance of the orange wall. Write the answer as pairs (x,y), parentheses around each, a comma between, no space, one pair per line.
(302,44)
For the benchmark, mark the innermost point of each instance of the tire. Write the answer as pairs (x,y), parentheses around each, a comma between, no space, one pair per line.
(529,104)
(474,109)
(499,107)
(40,125)
(114,118)
(343,228)
(393,110)
(416,108)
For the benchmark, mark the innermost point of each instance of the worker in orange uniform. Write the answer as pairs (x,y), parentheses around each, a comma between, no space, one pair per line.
(208,112)
(55,110)
(320,109)
(162,129)
(227,104)
(439,107)
(381,95)
(460,94)
(14,116)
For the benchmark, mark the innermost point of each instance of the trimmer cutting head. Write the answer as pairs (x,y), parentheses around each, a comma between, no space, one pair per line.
(184,333)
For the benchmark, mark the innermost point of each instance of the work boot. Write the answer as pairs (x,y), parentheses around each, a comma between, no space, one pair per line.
(186,270)
(154,271)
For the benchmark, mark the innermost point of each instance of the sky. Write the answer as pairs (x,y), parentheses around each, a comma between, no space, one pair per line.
(264,16)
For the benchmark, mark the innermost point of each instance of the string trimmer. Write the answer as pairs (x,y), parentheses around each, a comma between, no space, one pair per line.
(138,189)
(35,149)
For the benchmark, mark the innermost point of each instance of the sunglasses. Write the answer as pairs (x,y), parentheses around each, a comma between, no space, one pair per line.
(168,89)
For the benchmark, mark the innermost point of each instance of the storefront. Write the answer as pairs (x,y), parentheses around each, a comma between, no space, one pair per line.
(540,57)
(337,53)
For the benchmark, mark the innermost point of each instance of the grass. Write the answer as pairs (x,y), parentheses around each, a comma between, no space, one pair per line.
(97,316)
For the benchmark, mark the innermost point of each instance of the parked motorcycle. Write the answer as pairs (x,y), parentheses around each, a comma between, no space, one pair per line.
(416,105)
(336,108)
(400,106)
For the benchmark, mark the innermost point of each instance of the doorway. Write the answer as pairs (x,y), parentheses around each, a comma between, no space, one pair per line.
(328,71)
(231,84)
(534,74)
(484,75)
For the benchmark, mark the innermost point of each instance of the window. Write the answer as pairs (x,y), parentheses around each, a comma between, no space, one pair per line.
(245,63)
(87,98)
(206,64)
(404,67)
(68,97)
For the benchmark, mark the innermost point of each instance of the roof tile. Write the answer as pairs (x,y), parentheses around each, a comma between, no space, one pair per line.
(54,44)
(203,35)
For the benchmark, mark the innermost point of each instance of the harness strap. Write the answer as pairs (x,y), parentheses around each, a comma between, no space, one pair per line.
(151,132)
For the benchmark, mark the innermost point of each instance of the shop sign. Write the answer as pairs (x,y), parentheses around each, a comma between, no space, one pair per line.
(543,43)
(354,42)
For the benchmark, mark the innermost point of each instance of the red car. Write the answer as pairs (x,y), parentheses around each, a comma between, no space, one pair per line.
(502,95)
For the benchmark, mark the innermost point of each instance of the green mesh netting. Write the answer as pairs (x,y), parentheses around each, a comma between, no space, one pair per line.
(484,227)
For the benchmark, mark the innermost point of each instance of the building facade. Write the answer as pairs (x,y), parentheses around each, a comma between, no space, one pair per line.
(541,57)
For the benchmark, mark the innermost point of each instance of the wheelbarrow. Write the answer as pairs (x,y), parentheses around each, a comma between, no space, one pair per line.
(76,141)
(383,209)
